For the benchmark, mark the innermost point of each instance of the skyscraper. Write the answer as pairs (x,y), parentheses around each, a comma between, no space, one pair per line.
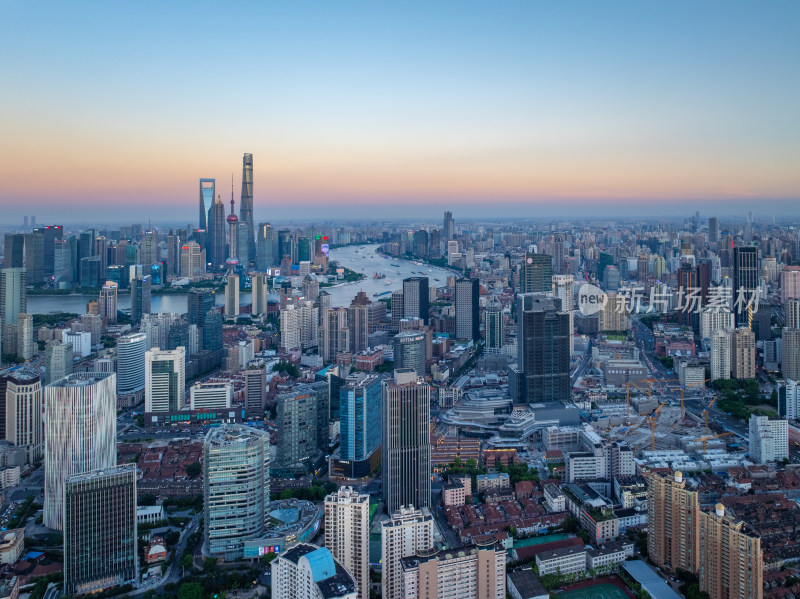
(80,434)
(235,488)
(255,389)
(745,278)
(232,296)
(468,309)
(141,294)
(408,531)
(199,303)
(360,425)
(58,360)
(672,518)
(100,530)
(713,229)
(493,327)
(216,235)
(264,257)
(406,441)
(260,294)
(14,250)
(131,350)
(206,201)
(559,255)
(743,354)
(448,227)
(536,273)
(246,206)
(563,290)
(416,292)
(23,413)
(13,294)
(731,559)
(720,355)
(470,572)
(410,351)
(347,534)
(108,302)
(165,380)
(542,349)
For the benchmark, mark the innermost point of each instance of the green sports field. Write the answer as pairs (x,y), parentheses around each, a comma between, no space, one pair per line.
(601,590)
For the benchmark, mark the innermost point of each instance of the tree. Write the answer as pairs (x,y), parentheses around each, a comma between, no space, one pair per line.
(173,537)
(209,565)
(194,469)
(191,590)
(186,561)
(287,494)
(267,559)
(147,499)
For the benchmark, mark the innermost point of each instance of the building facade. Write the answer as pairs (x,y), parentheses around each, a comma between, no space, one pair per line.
(347,534)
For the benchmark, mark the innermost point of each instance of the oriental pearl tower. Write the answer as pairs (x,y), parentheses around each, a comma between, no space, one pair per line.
(233,224)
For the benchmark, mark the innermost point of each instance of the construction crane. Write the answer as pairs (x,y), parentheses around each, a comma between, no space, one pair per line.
(709,437)
(652,418)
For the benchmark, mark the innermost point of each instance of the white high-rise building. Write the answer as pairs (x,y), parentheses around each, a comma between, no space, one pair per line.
(108,302)
(789,399)
(408,531)
(347,534)
(720,355)
(291,328)
(58,360)
(309,572)
(130,363)
(192,261)
(769,439)
(715,320)
(259,294)
(473,572)
(563,289)
(743,353)
(204,396)
(790,353)
(26,347)
(232,297)
(81,342)
(164,380)
(23,408)
(80,434)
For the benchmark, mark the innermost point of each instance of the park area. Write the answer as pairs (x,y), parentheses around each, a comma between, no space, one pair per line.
(605,587)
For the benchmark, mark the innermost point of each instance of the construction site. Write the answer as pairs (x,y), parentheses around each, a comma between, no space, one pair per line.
(649,422)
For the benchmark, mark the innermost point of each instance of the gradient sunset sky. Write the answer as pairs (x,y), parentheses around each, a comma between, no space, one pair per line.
(116,109)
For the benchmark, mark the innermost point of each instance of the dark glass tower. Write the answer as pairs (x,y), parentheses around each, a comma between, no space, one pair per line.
(536,273)
(217,222)
(415,298)
(745,276)
(542,349)
(246,206)
(406,442)
(468,309)
(140,298)
(206,201)
(100,530)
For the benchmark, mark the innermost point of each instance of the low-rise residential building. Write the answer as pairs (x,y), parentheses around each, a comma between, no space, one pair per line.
(472,572)
(554,498)
(524,584)
(12,545)
(499,480)
(608,554)
(567,560)
(453,494)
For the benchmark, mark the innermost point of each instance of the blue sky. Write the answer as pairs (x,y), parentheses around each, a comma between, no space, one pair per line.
(126,105)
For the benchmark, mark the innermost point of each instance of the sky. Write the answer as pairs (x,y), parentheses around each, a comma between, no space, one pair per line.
(117,109)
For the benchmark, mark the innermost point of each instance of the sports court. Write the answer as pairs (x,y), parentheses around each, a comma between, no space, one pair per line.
(602,590)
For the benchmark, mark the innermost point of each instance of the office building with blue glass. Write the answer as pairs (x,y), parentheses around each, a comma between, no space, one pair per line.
(360,424)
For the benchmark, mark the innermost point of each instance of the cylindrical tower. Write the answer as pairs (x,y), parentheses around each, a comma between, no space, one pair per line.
(80,426)
(130,362)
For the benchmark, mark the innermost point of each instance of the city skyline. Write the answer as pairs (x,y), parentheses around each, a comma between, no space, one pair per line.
(581,106)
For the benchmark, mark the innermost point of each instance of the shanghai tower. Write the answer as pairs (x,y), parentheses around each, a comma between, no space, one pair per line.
(246,205)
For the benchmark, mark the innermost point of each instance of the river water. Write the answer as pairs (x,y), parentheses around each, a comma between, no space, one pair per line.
(361,259)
